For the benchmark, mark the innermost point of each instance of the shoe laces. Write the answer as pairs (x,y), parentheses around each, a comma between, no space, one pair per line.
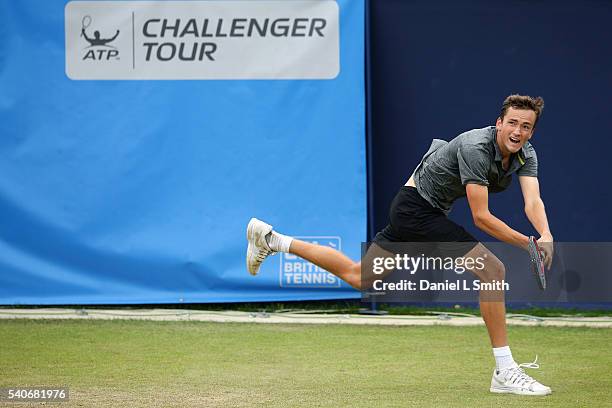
(262,253)
(518,376)
(533,364)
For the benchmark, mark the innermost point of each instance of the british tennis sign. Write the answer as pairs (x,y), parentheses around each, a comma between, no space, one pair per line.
(296,272)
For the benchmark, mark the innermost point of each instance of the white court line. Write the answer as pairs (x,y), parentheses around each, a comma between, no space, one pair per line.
(284,318)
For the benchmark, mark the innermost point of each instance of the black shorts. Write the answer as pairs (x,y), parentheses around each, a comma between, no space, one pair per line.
(413,219)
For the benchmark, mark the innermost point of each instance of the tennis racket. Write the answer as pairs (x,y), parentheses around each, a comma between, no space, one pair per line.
(537,262)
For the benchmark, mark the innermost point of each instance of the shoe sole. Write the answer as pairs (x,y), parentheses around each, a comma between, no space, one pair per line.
(253,270)
(509,391)
(250,246)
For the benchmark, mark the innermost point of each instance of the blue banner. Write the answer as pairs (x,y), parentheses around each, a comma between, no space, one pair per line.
(128,177)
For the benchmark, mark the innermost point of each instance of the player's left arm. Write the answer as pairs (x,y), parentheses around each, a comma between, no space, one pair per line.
(536,213)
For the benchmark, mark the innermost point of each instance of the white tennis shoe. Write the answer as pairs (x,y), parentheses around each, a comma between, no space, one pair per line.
(514,380)
(258,249)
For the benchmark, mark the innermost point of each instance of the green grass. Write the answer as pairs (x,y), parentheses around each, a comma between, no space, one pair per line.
(161,364)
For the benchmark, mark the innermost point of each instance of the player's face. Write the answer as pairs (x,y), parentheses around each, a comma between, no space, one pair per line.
(515,129)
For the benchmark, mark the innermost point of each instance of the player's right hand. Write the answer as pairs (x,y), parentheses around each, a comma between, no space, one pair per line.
(546,245)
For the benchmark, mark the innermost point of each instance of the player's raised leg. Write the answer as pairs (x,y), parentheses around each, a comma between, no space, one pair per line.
(264,241)
(329,259)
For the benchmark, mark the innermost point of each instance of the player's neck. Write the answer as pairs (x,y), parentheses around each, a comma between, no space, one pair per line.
(505,154)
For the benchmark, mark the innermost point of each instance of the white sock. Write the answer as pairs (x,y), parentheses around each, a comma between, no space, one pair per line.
(503,357)
(278,242)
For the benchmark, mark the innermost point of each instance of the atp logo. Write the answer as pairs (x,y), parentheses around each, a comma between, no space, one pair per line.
(99,48)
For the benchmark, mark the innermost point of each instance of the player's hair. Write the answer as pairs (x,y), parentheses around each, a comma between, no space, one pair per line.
(523,102)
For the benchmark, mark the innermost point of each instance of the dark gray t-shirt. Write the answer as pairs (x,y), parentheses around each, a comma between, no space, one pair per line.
(471,157)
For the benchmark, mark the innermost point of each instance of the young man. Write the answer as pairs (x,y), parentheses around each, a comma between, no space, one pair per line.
(473,164)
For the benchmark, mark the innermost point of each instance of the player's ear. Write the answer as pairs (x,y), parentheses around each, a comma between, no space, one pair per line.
(498,123)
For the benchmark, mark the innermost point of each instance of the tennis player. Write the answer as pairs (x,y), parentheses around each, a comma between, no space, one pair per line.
(473,164)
